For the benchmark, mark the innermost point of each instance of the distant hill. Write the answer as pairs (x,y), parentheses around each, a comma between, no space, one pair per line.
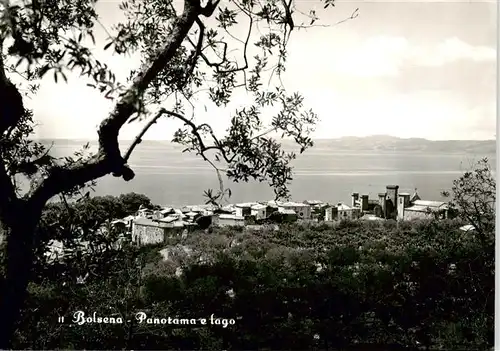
(391,143)
(373,143)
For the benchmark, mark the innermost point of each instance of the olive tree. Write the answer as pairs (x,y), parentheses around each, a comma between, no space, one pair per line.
(473,198)
(187,49)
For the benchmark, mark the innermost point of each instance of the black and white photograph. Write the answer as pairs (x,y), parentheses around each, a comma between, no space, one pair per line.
(248,174)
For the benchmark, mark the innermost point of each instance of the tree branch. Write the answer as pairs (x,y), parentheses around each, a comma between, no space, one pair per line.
(138,138)
(108,158)
(3,76)
(247,40)
(216,65)
(353,15)
(264,133)
(8,200)
(209,8)
(202,147)
(193,59)
(11,107)
(194,129)
(199,48)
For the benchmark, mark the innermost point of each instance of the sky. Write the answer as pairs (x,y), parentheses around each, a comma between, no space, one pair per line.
(408,69)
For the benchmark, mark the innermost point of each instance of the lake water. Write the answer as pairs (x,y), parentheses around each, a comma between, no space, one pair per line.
(169,177)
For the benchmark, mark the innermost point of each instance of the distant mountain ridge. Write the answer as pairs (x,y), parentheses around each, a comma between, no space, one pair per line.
(390,143)
(372,143)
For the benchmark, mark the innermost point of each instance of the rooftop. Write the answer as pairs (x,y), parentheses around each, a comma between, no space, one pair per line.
(168,219)
(343,207)
(313,202)
(116,221)
(423,208)
(415,196)
(246,204)
(429,203)
(293,204)
(230,216)
(149,222)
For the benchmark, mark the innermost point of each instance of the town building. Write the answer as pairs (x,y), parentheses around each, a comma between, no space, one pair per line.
(121,225)
(364,203)
(244,209)
(150,227)
(228,220)
(396,205)
(287,215)
(144,213)
(345,212)
(302,210)
(342,212)
(146,231)
(422,209)
(270,209)
(259,211)
(329,212)
(314,203)
(166,211)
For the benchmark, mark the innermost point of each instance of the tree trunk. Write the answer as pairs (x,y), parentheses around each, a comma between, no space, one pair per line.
(19,259)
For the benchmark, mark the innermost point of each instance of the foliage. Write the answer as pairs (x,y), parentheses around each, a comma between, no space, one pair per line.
(474,197)
(417,284)
(18,150)
(320,212)
(84,229)
(58,39)
(131,202)
(186,53)
(90,213)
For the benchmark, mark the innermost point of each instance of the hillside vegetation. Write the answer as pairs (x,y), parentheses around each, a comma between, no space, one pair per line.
(415,284)
(361,285)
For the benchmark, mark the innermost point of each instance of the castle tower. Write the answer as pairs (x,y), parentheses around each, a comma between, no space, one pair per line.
(381,201)
(403,202)
(364,202)
(392,201)
(355,198)
(415,196)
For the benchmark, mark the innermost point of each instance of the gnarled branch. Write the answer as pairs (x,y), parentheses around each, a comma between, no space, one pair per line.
(108,158)
(138,138)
